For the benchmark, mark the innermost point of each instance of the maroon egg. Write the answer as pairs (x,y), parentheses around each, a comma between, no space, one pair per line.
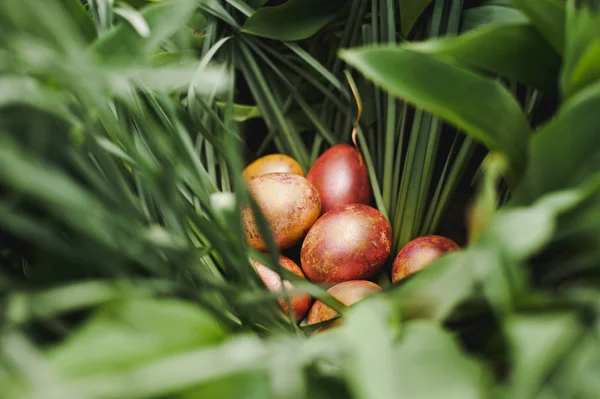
(351,242)
(419,253)
(300,302)
(341,176)
(348,293)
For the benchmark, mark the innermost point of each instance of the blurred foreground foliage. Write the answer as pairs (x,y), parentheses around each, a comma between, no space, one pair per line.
(123,135)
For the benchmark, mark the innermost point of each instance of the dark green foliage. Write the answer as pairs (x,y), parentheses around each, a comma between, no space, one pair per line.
(124,129)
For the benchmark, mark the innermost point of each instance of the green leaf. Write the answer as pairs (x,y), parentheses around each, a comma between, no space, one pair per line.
(135,19)
(245,353)
(169,77)
(24,306)
(491,14)
(549,17)
(266,99)
(515,51)
(538,343)
(165,58)
(434,292)
(251,385)
(81,17)
(183,372)
(577,373)
(242,113)
(485,204)
(481,107)
(21,90)
(164,19)
(216,8)
(49,186)
(430,363)
(586,72)
(372,176)
(306,108)
(582,49)
(370,322)
(410,11)
(523,231)
(492,262)
(256,3)
(293,20)
(140,3)
(566,151)
(126,333)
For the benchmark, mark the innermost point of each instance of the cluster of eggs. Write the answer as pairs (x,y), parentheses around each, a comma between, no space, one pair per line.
(345,240)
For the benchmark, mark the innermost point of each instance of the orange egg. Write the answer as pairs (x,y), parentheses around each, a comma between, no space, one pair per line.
(348,293)
(273,163)
(300,302)
(290,204)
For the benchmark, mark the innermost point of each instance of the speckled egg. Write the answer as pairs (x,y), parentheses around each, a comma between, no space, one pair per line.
(273,163)
(290,204)
(351,242)
(419,253)
(300,302)
(348,293)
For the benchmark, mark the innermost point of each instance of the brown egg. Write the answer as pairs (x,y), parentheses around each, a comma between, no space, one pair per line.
(341,176)
(351,242)
(348,293)
(273,163)
(300,302)
(419,253)
(290,204)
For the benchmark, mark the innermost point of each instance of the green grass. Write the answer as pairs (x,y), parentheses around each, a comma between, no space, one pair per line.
(123,135)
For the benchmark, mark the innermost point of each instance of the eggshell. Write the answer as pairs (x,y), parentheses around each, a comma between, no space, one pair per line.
(420,253)
(351,242)
(272,163)
(341,176)
(273,281)
(348,293)
(290,204)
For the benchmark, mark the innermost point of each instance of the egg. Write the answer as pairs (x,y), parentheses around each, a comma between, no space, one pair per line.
(341,176)
(419,253)
(351,242)
(348,293)
(273,163)
(300,302)
(290,204)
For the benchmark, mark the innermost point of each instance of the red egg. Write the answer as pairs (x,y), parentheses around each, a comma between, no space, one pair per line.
(348,293)
(300,302)
(341,176)
(419,253)
(351,242)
